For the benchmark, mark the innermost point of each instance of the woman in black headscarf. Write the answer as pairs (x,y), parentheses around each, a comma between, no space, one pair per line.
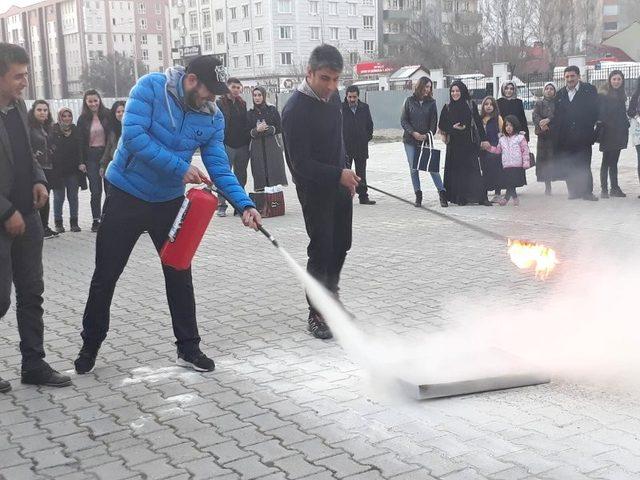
(464,132)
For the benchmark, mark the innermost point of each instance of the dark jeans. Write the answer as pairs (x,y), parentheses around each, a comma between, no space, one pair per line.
(579,176)
(125,218)
(361,171)
(95,180)
(609,166)
(21,266)
(328,218)
(70,187)
(239,161)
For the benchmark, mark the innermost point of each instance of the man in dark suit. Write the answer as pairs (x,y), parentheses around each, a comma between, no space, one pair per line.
(357,131)
(22,192)
(574,123)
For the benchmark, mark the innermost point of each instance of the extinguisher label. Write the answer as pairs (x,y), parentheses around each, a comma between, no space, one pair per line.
(177,223)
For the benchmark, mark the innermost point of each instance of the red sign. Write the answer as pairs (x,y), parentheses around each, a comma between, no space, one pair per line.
(372,68)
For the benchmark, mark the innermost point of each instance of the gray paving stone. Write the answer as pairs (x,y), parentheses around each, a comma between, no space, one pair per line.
(227,452)
(297,467)
(342,465)
(159,469)
(250,468)
(207,468)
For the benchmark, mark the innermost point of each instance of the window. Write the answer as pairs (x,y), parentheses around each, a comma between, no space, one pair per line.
(247,36)
(353,58)
(206,18)
(610,26)
(368,47)
(143,39)
(99,39)
(261,59)
(333,8)
(245,11)
(315,33)
(333,33)
(176,23)
(192,3)
(610,10)
(193,20)
(145,54)
(236,62)
(286,33)
(143,23)
(286,58)
(233,13)
(284,6)
(160,55)
(159,39)
(89,38)
(158,9)
(351,9)
(220,38)
(367,22)
(194,39)
(448,6)
(142,8)
(247,60)
(353,34)
(258,6)
(208,41)
(234,38)
(158,24)
(259,34)
(313,7)
(219,15)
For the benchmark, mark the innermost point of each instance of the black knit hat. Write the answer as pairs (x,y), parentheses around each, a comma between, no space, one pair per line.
(210,71)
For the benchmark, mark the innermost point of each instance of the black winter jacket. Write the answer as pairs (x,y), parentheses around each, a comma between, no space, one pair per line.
(418,117)
(357,130)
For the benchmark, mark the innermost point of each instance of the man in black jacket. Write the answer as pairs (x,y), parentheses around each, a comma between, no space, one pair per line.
(574,122)
(22,191)
(312,129)
(236,134)
(357,130)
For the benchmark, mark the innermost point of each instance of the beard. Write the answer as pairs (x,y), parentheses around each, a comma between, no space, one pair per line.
(191,100)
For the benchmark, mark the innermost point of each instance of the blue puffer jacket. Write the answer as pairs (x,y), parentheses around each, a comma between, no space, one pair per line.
(159,136)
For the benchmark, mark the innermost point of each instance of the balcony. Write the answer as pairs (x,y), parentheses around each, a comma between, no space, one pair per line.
(398,14)
(461,17)
(396,38)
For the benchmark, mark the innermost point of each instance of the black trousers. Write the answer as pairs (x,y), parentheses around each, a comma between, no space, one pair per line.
(361,171)
(124,219)
(609,168)
(328,216)
(95,180)
(21,266)
(579,176)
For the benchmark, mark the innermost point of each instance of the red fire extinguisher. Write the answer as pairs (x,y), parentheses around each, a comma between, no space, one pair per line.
(188,228)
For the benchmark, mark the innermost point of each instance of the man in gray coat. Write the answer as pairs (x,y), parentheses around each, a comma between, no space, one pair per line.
(22,192)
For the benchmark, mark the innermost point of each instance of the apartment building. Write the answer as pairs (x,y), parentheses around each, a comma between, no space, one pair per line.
(64,36)
(270,40)
(618,15)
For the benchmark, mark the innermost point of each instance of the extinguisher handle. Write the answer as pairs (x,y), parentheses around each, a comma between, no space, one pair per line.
(263,230)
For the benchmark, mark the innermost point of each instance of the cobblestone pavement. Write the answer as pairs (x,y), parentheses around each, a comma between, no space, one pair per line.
(282,405)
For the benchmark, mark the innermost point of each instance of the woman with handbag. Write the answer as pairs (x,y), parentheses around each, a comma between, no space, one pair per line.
(461,122)
(267,162)
(612,132)
(514,148)
(634,115)
(65,173)
(419,118)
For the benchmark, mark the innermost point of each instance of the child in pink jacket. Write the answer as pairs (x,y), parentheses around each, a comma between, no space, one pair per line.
(514,149)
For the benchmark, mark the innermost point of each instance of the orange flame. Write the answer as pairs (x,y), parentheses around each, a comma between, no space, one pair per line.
(525,254)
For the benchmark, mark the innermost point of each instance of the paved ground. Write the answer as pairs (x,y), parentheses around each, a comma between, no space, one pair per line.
(282,405)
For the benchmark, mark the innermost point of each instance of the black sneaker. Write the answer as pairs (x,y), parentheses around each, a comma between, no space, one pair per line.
(48,233)
(443,198)
(86,359)
(590,197)
(60,228)
(367,201)
(45,375)
(198,361)
(318,327)
(95,225)
(617,192)
(4,386)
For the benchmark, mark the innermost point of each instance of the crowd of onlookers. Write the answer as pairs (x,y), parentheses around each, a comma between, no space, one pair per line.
(487,148)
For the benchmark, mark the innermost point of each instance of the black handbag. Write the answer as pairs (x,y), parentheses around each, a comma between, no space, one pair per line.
(427,157)
(532,160)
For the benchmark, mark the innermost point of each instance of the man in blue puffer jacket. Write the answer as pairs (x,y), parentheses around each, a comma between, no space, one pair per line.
(168,116)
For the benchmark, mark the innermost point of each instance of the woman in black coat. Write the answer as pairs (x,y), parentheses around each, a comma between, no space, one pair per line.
(613,132)
(267,162)
(510,104)
(461,123)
